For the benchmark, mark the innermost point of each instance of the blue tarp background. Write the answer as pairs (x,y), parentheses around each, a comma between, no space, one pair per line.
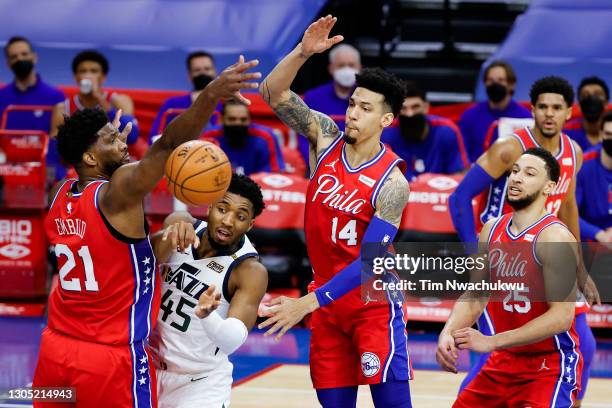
(147,41)
(570,38)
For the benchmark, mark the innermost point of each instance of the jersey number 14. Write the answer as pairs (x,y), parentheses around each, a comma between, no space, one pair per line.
(348,232)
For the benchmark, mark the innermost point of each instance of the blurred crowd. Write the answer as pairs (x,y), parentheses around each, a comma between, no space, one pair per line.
(428,143)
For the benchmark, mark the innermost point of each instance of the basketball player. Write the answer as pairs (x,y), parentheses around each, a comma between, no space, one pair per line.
(106,303)
(356,194)
(535,360)
(191,345)
(551,99)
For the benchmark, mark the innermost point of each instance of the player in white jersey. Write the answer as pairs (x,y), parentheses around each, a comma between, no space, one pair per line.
(206,266)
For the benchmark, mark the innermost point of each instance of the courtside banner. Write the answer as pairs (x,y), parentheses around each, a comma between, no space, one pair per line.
(514,273)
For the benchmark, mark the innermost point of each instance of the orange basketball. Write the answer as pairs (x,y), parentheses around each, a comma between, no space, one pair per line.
(198,172)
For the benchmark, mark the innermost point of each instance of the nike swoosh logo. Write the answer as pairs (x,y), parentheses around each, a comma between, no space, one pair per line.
(198,379)
(327,294)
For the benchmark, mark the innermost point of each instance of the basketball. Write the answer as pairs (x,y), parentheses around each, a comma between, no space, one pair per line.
(198,172)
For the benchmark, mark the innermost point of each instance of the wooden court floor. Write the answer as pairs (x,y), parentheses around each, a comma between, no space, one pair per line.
(289,386)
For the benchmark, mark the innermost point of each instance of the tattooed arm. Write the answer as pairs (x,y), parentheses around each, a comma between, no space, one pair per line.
(289,107)
(392,198)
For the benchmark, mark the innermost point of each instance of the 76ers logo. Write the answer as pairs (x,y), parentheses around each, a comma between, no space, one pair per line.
(370,364)
(337,197)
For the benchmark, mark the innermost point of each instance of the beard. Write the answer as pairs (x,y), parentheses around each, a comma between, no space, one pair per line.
(521,203)
(349,139)
(111,167)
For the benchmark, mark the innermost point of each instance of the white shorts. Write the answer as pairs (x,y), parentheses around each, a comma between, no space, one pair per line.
(211,389)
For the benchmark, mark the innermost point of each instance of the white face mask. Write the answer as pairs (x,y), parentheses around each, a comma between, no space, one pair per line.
(345,76)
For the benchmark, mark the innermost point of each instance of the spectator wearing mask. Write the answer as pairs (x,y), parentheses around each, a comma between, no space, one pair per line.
(90,69)
(201,70)
(593,96)
(249,147)
(500,81)
(594,188)
(427,143)
(332,98)
(28,88)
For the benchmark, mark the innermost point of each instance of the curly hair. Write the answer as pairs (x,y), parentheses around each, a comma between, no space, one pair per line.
(552,165)
(78,133)
(90,55)
(552,84)
(245,187)
(382,82)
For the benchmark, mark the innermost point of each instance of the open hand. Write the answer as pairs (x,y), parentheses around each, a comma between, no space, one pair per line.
(209,301)
(285,312)
(233,79)
(117,123)
(315,39)
(181,235)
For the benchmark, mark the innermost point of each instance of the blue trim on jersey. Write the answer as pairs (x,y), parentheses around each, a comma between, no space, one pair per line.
(520,140)
(391,338)
(326,152)
(141,380)
(490,327)
(575,162)
(493,228)
(515,237)
(488,213)
(236,262)
(96,194)
(58,191)
(535,239)
(566,384)
(400,363)
(381,181)
(365,165)
(561,144)
(143,266)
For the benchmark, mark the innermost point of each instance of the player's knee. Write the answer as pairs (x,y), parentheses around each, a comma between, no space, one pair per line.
(340,397)
(393,394)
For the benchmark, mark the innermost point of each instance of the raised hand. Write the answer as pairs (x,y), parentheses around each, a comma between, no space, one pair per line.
(117,123)
(208,302)
(315,39)
(181,235)
(233,79)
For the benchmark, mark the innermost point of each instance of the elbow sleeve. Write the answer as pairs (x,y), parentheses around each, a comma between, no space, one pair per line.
(228,334)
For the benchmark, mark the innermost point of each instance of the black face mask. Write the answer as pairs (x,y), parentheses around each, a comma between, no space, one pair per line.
(607,146)
(22,68)
(236,135)
(413,127)
(201,81)
(496,92)
(592,107)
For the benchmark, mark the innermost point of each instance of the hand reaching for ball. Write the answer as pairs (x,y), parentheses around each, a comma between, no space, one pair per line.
(233,79)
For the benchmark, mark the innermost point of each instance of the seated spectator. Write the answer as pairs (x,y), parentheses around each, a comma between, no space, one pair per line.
(250,148)
(332,98)
(90,69)
(28,88)
(593,95)
(428,143)
(500,81)
(594,188)
(201,70)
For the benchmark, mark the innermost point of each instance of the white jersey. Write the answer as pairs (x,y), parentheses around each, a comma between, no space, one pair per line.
(179,343)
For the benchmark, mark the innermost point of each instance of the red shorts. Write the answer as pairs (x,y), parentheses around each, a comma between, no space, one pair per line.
(103,375)
(518,380)
(355,342)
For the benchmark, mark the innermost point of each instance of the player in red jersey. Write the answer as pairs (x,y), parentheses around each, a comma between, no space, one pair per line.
(356,194)
(535,359)
(107,300)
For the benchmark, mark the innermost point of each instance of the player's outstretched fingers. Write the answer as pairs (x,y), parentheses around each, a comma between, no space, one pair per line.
(208,302)
(126,132)
(268,322)
(117,119)
(171,234)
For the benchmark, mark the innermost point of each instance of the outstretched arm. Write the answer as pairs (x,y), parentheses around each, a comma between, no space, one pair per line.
(288,106)
(393,197)
(130,183)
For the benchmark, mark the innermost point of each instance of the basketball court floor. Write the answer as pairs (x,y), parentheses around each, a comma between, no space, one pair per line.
(274,374)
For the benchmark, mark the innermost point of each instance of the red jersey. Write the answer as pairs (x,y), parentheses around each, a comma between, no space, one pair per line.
(340,203)
(494,203)
(74,104)
(516,309)
(108,290)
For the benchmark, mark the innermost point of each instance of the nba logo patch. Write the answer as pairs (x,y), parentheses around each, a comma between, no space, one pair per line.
(370,364)
(567,161)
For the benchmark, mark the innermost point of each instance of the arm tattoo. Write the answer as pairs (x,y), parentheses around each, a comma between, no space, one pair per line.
(392,198)
(299,117)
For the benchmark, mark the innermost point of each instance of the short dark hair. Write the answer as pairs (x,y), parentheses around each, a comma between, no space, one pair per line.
(594,80)
(510,74)
(78,133)
(15,39)
(245,187)
(552,84)
(90,55)
(607,117)
(552,165)
(232,102)
(380,81)
(197,54)
(412,90)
